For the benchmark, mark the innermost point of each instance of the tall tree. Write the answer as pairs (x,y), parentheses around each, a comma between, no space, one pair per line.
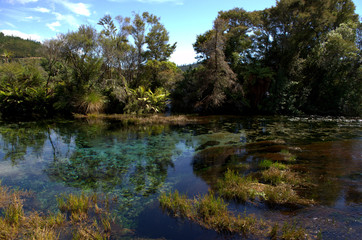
(81,50)
(215,78)
(51,50)
(157,43)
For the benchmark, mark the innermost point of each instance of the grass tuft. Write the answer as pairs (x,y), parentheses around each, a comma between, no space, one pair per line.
(235,187)
(92,102)
(14,212)
(266,163)
(178,204)
(76,205)
(292,232)
(276,176)
(209,211)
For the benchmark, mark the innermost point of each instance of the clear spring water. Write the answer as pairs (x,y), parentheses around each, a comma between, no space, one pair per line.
(135,163)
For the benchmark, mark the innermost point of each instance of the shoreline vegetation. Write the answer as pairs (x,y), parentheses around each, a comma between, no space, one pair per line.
(248,63)
(145,119)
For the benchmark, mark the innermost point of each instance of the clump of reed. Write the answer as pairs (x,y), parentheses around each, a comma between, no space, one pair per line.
(209,211)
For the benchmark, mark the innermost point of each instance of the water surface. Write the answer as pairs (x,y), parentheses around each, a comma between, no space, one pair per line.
(135,163)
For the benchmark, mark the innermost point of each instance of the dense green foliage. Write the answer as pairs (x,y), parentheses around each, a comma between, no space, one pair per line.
(15,47)
(297,57)
(122,68)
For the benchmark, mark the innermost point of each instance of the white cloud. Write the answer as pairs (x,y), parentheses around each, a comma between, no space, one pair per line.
(53,25)
(31,18)
(21,1)
(183,55)
(10,24)
(67,18)
(77,8)
(41,9)
(16,33)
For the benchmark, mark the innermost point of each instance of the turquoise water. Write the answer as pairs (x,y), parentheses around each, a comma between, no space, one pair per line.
(134,164)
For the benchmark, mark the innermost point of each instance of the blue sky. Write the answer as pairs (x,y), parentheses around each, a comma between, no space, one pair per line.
(184,19)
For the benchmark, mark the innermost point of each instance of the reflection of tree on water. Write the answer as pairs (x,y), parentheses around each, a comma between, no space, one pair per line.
(328,165)
(16,139)
(333,166)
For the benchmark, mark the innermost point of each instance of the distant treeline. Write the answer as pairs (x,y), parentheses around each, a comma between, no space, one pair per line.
(15,47)
(299,57)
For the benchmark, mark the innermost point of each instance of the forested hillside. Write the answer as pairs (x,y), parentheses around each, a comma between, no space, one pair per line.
(15,47)
(298,57)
